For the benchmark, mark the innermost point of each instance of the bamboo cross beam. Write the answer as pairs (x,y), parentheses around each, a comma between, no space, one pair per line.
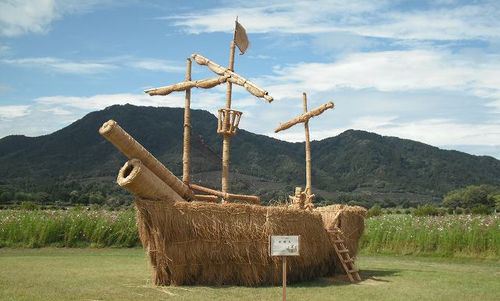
(227,196)
(188,84)
(232,77)
(305,117)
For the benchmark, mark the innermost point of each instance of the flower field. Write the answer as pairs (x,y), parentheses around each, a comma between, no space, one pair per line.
(68,228)
(449,235)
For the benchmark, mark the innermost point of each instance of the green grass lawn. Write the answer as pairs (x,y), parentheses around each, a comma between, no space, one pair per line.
(123,274)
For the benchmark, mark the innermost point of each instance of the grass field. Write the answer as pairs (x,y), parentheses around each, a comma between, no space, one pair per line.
(449,236)
(123,274)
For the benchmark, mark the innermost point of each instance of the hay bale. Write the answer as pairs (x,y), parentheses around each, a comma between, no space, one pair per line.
(210,244)
(350,219)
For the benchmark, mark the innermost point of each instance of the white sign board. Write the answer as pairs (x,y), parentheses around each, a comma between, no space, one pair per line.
(284,245)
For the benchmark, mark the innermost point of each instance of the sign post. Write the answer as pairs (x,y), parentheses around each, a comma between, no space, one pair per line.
(283,246)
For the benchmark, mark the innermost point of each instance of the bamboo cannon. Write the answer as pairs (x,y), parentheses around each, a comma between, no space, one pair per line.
(186,148)
(305,117)
(232,77)
(140,181)
(226,196)
(134,150)
(187,85)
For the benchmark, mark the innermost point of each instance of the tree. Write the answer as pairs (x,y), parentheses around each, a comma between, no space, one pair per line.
(472,196)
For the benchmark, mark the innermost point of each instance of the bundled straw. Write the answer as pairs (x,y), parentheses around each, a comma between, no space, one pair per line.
(213,244)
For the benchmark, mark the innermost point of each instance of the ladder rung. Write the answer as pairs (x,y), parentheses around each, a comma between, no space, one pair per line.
(338,240)
(343,251)
(348,260)
(352,271)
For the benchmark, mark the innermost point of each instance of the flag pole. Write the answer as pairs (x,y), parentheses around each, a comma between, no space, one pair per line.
(227,138)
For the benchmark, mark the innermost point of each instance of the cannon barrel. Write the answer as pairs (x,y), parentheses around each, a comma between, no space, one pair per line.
(140,181)
(134,150)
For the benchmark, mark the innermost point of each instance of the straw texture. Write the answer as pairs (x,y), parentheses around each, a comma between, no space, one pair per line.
(349,219)
(213,244)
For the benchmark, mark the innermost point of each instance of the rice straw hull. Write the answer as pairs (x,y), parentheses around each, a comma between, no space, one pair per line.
(213,244)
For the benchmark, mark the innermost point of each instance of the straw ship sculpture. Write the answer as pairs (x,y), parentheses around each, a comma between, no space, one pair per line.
(198,235)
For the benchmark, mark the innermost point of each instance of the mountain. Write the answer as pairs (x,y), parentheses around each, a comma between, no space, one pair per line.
(76,164)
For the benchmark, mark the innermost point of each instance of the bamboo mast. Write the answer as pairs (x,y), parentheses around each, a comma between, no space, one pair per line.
(186,154)
(304,199)
(308,148)
(226,137)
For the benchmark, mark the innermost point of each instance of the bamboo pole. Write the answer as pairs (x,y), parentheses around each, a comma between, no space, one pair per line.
(227,196)
(206,198)
(226,144)
(134,150)
(284,278)
(142,182)
(186,153)
(305,117)
(308,148)
(187,85)
(233,77)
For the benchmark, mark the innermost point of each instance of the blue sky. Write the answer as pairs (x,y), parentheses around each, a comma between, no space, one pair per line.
(422,70)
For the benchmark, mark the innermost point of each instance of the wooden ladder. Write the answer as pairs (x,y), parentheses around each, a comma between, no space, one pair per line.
(343,255)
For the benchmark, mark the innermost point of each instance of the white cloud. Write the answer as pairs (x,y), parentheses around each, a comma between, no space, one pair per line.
(93,66)
(19,17)
(477,138)
(50,113)
(11,112)
(61,65)
(156,65)
(392,71)
(4,49)
(439,132)
(4,88)
(57,111)
(97,102)
(437,21)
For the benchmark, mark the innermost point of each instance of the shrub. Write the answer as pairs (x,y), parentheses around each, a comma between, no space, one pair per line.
(481,209)
(28,205)
(374,211)
(426,210)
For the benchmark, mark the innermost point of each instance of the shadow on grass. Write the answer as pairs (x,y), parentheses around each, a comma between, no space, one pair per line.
(342,279)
